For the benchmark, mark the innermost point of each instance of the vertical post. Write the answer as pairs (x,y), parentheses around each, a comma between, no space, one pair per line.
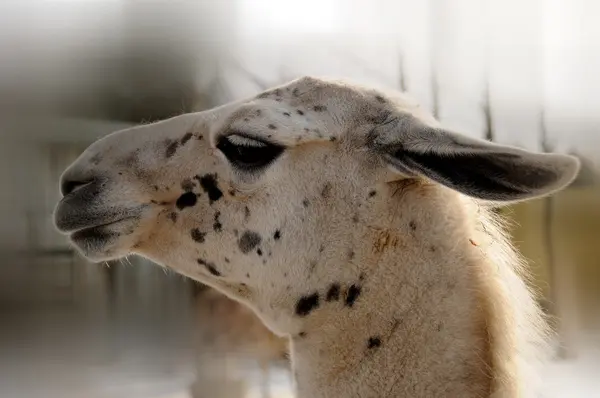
(559,276)
(402,73)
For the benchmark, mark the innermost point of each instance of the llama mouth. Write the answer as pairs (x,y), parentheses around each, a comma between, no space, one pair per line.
(105,241)
(76,214)
(71,219)
(99,231)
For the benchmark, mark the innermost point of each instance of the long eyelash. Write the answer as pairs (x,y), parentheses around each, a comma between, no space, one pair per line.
(244,141)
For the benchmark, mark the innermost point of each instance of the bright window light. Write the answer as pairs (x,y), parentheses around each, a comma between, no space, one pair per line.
(290,17)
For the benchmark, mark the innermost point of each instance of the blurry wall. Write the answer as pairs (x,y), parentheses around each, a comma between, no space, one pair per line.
(560,239)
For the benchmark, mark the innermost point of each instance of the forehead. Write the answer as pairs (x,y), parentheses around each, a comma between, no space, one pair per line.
(311,109)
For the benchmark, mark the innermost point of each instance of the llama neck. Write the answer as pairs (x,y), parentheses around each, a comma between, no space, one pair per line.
(417,329)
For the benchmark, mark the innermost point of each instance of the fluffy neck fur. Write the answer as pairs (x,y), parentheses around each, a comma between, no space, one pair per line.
(443,311)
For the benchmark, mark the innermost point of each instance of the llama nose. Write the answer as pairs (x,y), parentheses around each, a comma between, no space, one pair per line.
(69,185)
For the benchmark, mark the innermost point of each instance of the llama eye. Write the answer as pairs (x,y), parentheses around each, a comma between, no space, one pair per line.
(247,153)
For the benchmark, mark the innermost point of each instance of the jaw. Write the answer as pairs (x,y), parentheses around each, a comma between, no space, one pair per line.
(106,242)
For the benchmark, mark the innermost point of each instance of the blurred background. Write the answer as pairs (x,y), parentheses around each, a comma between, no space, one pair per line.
(515,72)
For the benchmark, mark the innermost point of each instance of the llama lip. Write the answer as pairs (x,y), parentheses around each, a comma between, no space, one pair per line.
(70,218)
(99,229)
(105,241)
(96,234)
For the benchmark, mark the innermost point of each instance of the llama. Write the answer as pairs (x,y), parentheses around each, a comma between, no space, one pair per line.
(347,219)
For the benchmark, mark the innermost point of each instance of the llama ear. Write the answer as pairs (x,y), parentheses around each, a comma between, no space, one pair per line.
(474,167)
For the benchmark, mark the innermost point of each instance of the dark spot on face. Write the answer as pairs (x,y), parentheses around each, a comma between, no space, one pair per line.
(305,202)
(272,126)
(350,254)
(187,185)
(395,325)
(439,326)
(199,138)
(306,304)
(246,119)
(412,225)
(155,187)
(302,335)
(209,184)
(361,277)
(248,275)
(226,260)
(306,129)
(326,191)
(210,267)
(352,294)
(197,235)
(295,92)
(259,252)
(355,218)
(231,192)
(286,114)
(132,159)
(321,248)
(217,226)
(432,249)
(333,294)
(319,108)
(380,118)
(264,261)
(246,213)
(96,159)
(277,235)
(333,139)
(313,265)
(374,342)
(186,138)
(372,193)
(380,99)
(172,148)
(188,199)
(248,241)
(299,112)
(173,216)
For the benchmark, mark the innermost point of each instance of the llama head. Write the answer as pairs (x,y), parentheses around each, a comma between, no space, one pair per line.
(265,199)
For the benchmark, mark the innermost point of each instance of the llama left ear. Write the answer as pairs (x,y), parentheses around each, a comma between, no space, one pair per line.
(474,167)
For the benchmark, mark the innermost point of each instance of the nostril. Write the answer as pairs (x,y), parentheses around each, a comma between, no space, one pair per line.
(68,186)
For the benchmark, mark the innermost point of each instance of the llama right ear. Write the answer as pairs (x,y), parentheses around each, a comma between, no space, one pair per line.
(474,167)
